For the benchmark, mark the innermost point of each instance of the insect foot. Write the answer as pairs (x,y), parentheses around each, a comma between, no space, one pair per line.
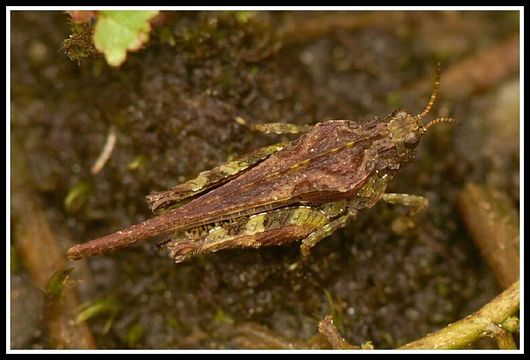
(416,204)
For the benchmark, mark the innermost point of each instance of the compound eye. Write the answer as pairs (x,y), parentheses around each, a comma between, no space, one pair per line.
(398,112)
(411,140)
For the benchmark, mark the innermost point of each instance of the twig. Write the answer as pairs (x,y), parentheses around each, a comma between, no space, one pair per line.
(503,338)
(255,336)
(330,332)
(468,330)
(106,152)
(478,72)
(494,226)
(511,324)
(309,26)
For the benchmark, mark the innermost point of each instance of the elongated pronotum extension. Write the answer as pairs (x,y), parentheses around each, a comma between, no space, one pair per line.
(159,225)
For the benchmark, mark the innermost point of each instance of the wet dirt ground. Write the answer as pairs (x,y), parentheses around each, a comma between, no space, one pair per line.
(173,106)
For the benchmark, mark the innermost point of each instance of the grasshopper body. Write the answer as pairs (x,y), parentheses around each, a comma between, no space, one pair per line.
(305,189)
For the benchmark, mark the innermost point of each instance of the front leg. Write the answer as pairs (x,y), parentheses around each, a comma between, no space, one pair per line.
(416,203)
(275,128)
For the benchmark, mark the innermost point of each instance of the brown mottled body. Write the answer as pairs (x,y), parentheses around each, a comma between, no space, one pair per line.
(303,172)
(338,167)
(328,163)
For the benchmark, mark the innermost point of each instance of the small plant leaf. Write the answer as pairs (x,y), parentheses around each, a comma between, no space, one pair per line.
(134,334)
(57,281)
(137,163)
(77,196)
(222,317)
(108,305)
(119,31)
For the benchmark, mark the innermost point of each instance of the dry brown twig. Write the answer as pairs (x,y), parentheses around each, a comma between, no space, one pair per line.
(43,257)
(330,332)
(493,224)
(106,152)
(477,72)
(491,321)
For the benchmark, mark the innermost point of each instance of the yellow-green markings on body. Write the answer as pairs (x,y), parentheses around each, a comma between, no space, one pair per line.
(213,236)
(299,216)
(199,182)
(217,234)
(334,209)
(255,224)
(233,167)
(279,128)
(275,147)
(306,216)
(300,164)
(319,219)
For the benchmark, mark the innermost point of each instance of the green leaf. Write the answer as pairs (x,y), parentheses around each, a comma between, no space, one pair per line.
(336,314)
(57,281)
(77,196)
(134,334)
(108,305)
(119,31)
(222,317)
(137,163)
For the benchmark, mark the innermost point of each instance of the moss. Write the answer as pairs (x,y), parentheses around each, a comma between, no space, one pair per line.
(79,44)
(134,334)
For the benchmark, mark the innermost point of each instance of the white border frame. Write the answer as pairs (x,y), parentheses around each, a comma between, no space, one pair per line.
(279,8)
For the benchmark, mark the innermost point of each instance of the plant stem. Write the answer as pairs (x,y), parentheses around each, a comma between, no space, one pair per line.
(466,331)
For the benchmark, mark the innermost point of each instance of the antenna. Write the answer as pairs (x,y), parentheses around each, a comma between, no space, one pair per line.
(434,92)
(439,120)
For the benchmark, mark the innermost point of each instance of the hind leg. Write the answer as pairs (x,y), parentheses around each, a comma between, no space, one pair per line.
(322,232)
(275,128)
